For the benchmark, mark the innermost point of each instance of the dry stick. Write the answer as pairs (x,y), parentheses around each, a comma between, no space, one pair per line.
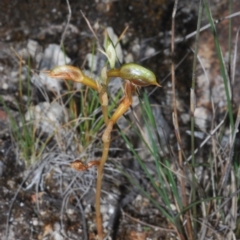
(234,206)
(67,24)
(176,126)
(229,163)
(228,199)
(192,110)
(233,70)
(156,228)
(230,39)
(91,29)
(213,163)
(190,35)
(208,26)
(211,134)
(182,182)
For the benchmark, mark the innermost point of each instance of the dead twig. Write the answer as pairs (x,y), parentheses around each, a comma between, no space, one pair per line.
(177,133)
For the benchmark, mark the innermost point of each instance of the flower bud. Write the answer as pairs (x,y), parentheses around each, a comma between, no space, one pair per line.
(72,73)
(136,74)
(111,54)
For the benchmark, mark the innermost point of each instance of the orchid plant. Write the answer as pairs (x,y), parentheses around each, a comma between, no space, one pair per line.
(134,76)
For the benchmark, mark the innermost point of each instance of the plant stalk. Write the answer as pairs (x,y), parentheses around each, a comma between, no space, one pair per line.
(106,138)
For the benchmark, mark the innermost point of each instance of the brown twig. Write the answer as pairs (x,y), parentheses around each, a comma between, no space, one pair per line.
(177,133)
(67,24)
(149,225)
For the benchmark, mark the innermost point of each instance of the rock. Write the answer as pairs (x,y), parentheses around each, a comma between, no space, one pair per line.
(52,56)
(48,117)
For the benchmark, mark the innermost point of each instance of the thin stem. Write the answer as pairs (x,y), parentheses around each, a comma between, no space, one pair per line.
(176,126)
(106,138)
(222,67)
(104,102)
(67,24)
(105,113)
(113,73)
(229,38)
(192,110)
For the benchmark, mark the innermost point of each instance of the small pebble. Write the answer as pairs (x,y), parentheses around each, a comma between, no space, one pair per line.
(35,222)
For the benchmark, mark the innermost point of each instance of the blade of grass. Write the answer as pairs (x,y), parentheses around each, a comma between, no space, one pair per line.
(222,65)
(168,190)
(163,210)
(160,172)
(150,124)
(167,212)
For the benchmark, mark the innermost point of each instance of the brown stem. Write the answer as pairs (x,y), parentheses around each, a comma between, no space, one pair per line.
(106,138)
(104,103)
(189,230)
